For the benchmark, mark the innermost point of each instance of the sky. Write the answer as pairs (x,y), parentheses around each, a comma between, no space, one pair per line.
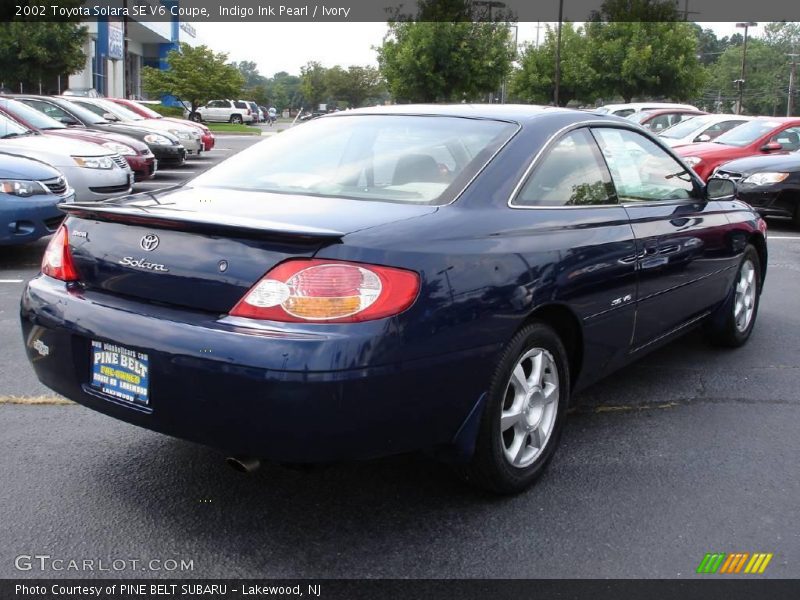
(286,47)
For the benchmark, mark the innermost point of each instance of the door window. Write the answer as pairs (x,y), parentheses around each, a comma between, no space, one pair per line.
(789,139)
(572,173)
(641,170)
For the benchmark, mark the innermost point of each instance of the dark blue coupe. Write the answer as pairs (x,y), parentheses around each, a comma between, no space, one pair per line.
(391,279)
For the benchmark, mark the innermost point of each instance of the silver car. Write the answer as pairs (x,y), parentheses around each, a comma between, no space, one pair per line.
(91,170)
(189,136)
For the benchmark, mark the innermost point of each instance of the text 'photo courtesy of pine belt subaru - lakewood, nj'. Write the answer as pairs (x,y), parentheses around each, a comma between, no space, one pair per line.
(385,280)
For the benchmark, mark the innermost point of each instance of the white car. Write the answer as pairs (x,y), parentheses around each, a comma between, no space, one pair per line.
(702,128)
(626,110)
(225,111)
(94,172)
(189,136)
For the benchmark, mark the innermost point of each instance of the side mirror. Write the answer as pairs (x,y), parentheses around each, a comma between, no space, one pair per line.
(68,121)
(718,188)
(703,137)
(771,147)
(109,117)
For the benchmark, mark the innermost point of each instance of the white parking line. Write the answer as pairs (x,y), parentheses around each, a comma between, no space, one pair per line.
(11,280)
(783,237)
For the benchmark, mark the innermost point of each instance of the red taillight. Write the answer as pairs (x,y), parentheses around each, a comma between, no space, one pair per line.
(328,291)
(57,261)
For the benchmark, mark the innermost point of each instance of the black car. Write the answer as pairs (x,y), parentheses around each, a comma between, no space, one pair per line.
(165,147)
(770,184)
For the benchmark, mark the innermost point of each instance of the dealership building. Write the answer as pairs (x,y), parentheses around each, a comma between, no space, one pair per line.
(118,48)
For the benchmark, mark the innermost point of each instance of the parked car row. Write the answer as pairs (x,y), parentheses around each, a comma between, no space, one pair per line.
(82,149)
(229,111)
(760,154)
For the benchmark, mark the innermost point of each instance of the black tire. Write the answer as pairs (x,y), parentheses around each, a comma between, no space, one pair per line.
(196,117)
(796,218)
(236,119)
(722,328)
(490,468)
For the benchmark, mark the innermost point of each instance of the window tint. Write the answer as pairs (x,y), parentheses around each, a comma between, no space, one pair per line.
(789,139)
(624,112)
(641,170)
(571,173)
(239,104)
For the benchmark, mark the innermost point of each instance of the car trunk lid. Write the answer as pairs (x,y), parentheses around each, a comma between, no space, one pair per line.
(204,248)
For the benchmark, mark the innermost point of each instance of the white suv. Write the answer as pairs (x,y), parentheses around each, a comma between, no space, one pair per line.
(224,111)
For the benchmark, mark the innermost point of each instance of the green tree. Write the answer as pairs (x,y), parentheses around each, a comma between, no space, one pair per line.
(534,80)
(195,75)
(766,79)
(313,83)
(249,70)
(445,61)
(355,85)
(285,91)
(645,59)
(34,51)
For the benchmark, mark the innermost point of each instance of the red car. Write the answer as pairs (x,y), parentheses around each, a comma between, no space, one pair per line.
(148,113)
(765,135)
(138,155)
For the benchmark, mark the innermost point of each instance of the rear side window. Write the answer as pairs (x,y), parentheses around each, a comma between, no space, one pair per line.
(572,173)
(240,104)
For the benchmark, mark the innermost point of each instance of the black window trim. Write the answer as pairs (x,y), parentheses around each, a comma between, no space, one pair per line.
(558,135)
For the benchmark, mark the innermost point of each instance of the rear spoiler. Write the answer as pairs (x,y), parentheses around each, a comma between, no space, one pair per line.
(159,217)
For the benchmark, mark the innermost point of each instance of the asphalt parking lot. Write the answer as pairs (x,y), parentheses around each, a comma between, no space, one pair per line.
(691,450)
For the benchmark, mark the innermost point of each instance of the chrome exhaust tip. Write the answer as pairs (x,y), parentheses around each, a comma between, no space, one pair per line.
(243,464)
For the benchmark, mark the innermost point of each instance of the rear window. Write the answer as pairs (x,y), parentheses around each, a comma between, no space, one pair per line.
(391,158)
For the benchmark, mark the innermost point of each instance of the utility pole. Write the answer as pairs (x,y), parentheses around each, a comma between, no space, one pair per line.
(741,80)
(558,52)
(792,85)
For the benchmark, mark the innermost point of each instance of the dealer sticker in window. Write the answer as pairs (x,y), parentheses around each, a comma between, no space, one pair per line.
(120,372)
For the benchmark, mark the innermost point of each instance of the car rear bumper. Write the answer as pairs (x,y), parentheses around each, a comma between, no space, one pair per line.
(25,220)
(263,393)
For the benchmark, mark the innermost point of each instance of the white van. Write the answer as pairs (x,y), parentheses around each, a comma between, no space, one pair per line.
(626,110)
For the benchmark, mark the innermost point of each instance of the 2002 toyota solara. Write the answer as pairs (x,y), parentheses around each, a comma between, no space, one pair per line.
(392,279)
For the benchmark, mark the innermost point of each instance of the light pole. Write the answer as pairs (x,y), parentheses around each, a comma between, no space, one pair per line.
(741,79)
(558,52)
(503,89)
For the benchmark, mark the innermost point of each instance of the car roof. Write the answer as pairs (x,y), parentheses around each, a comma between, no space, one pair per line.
(670,111)
(519,113)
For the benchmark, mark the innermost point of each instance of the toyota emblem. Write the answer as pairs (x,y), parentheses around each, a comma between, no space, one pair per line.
(149,242)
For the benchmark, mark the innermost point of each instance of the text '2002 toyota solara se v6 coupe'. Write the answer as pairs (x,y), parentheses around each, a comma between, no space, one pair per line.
(384,280)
